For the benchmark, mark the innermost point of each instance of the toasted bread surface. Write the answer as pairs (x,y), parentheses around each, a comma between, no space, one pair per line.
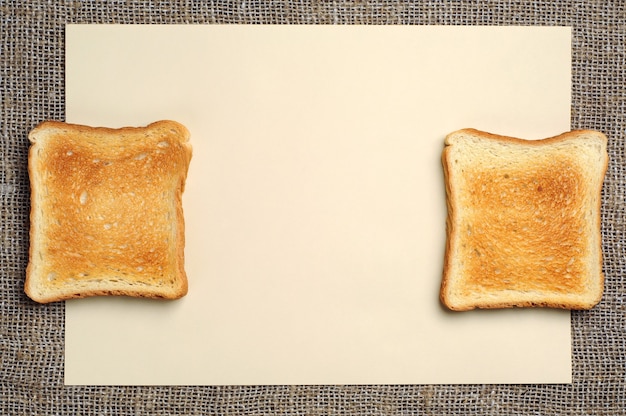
(106,211)
(523,226)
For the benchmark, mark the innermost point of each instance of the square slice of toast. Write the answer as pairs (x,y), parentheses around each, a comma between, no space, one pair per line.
(106,211)
(523,225)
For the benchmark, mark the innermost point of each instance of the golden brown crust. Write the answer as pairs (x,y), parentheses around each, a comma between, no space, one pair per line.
(523,230)
(106,211)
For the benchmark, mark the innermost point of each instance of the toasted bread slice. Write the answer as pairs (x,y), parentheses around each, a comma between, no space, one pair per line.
(106,211)
(523,226)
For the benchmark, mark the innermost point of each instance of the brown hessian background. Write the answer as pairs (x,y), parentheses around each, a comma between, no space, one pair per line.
(32,336)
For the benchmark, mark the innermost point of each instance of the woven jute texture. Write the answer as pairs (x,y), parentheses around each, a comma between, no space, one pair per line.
(32,336)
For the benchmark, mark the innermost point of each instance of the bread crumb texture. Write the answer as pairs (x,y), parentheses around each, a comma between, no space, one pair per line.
(523,220)
(106,211)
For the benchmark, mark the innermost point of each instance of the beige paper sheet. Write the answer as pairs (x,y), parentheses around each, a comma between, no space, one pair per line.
(315,203)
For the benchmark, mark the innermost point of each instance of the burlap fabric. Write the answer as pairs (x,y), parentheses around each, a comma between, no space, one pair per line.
(32,90)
